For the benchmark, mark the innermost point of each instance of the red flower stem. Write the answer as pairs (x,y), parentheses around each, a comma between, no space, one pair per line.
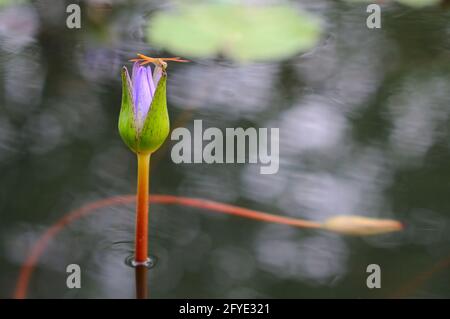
(141,241)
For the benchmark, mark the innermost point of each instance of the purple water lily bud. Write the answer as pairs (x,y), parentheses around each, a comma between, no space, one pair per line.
(144,120)
(143,85)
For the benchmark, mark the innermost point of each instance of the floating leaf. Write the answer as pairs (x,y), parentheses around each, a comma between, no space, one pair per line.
(243,33)
(6,3)
(411,3)
(358,225)
(419,3)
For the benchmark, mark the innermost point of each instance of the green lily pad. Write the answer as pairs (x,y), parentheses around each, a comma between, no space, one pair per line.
(243,33)
(411,3)
(419,3)
(6,3)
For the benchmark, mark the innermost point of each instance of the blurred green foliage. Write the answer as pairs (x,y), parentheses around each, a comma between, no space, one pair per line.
(411,3)
(242,33)
(5,3)
(419,3)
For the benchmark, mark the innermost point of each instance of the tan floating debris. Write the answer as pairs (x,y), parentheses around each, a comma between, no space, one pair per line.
(360,226)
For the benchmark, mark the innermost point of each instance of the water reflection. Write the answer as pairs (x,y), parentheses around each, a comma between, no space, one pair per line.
(318,259)
(223,90)
(18,27)
(420,111)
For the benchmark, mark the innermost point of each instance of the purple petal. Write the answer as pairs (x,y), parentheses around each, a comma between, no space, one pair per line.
(157,75)
(136,67)
(150,81)
(142,95)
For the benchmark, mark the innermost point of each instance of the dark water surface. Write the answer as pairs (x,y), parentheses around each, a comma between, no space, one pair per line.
(364,129)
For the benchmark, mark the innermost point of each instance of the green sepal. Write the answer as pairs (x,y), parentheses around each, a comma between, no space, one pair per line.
(127,123)
(157,125)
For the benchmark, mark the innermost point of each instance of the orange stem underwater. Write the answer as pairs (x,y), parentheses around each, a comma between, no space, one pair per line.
(141,241)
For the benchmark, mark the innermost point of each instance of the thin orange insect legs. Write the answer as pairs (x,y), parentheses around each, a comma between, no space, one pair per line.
(147,58)
(143,59)
(177,59)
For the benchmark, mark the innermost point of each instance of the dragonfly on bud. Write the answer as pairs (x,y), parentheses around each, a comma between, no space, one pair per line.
(158,62)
